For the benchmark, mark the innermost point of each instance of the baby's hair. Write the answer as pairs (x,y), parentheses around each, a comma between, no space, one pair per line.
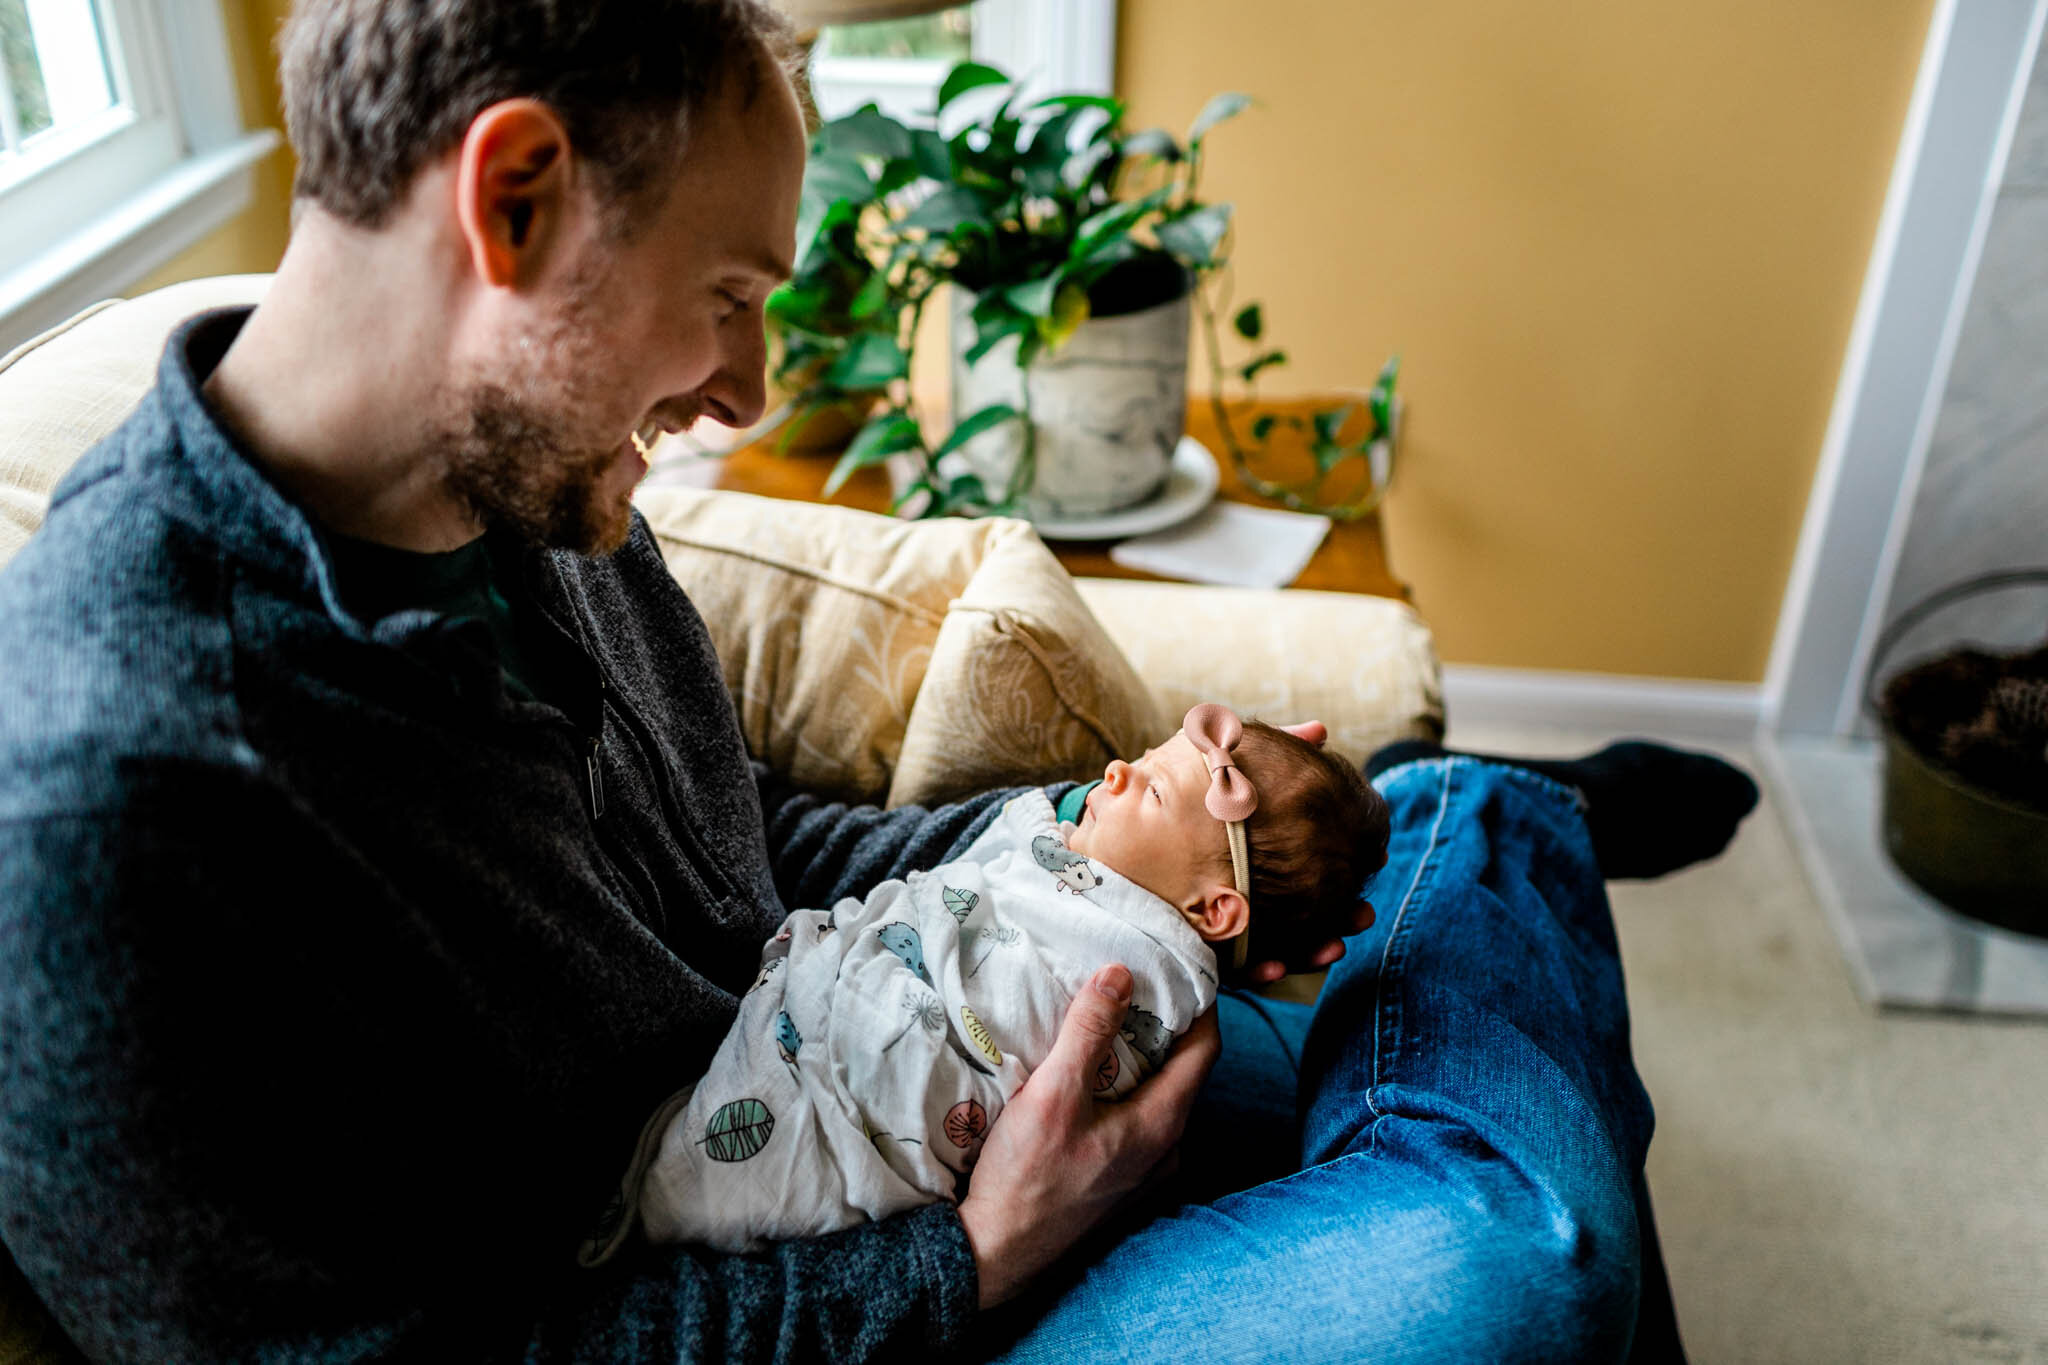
(1319,834)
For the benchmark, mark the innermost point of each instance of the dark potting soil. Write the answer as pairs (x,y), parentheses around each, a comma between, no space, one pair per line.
(1983,717)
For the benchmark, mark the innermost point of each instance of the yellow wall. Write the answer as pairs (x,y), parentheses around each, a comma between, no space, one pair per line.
(254,239)
(1618,244)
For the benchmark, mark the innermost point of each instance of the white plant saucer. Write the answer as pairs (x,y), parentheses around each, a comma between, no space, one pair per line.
(1190,483)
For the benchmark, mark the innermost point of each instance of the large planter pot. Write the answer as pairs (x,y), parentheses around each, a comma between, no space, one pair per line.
(1108,407)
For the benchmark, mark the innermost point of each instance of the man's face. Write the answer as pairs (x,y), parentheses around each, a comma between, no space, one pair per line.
(634,331)
(1148,820)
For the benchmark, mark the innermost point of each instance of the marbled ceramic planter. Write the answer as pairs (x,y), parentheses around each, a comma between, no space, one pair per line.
(1109,407)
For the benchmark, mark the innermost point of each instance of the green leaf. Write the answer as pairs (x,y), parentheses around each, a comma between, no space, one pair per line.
(1153,142)
(873,293)
(834,175)
(1108,103)
(868,132)
(947,211)
(931,154)
(869,362)
(1219,108)
(1049,142)
(966,490)
(989,335)
(895,174)
(1330,421)
(1329,455)
(1076,170)
(918,485)
(965,77)
(1194,237)
(1034,297)
(1262,426)
(882,437)
(1101,261)
(816,218)
(1113,222)
(1269,359)
(1069,311)
(1250,322)
(1381,399)
(993,415)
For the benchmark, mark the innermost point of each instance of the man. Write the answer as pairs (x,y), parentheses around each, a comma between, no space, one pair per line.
(377,846)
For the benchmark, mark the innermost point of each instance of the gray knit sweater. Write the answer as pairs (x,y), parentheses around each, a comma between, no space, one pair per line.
(335,982)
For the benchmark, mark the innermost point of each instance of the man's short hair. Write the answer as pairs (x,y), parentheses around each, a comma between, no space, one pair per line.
(375,89)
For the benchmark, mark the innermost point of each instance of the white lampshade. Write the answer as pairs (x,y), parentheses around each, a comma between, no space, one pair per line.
(816,14)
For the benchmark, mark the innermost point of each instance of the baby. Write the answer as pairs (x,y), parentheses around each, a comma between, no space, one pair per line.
(883,1036)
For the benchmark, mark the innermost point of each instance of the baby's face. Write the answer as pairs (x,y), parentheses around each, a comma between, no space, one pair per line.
(1148,822)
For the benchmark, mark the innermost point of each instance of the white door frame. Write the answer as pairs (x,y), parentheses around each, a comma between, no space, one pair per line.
(1959,128)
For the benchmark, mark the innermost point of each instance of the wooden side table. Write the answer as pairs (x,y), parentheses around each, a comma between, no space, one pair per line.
(1352,558)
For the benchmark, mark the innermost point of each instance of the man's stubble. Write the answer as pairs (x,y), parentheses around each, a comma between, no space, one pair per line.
(521,456)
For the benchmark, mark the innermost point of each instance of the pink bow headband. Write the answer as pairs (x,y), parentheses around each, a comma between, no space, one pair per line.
(1214,730)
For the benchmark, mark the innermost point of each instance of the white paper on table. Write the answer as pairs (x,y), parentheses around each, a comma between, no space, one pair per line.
(1231,544)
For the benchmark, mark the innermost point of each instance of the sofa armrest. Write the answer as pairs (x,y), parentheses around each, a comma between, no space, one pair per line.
(1364,666)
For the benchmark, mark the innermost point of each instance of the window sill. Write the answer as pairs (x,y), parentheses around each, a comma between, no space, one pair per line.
(150,227)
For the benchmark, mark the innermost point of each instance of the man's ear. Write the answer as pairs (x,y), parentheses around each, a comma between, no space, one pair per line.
(1220,915)
(511,189)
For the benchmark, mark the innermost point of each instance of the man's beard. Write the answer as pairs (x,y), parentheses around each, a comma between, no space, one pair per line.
(513,468)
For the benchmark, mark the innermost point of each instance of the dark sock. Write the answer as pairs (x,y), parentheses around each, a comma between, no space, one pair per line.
(1651,809)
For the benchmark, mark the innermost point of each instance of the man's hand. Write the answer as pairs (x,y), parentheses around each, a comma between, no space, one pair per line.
(1056,1160)
(1264,973)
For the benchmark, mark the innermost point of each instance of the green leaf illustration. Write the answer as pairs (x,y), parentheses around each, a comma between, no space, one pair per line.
(738,1130)
(961,903)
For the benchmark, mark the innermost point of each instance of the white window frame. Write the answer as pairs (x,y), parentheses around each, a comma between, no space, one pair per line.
(1053,46)
(168,165)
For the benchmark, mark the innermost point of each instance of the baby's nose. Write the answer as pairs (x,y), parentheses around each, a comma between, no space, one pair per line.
(1116,775)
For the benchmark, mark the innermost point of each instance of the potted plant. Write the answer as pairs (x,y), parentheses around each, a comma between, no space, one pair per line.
(1078,252)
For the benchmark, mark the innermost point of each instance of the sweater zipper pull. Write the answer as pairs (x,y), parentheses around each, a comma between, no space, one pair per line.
(596,779)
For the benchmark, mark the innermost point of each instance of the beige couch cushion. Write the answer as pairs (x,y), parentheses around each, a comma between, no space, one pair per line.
(64,390)
(902,662)
(1364,666)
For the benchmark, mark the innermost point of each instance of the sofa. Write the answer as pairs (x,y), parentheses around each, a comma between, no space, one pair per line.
(879,660)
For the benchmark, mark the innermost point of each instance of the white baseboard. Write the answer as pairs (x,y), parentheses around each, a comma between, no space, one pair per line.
(1610,703)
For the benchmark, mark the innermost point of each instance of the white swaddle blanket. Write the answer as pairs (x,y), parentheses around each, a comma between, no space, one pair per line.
(882,1038)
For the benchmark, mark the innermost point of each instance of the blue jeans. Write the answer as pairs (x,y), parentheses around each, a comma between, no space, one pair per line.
(1441,1159)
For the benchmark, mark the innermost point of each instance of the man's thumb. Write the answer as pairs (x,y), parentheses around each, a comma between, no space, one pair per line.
(1095,1017)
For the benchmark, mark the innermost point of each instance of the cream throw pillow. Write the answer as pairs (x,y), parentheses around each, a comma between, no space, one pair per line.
(902,662)
(64,390)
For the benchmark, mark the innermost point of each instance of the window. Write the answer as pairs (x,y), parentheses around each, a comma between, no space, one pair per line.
(120,145)
(1054,46)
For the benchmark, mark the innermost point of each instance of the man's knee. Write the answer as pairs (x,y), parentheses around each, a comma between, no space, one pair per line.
(1563,1288)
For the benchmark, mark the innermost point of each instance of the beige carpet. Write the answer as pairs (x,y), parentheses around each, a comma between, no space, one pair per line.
(1832,1184)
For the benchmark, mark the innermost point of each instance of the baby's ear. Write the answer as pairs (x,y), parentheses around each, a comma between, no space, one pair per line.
(1220,915)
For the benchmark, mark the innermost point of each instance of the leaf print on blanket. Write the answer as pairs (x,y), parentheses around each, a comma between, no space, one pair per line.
(904,941)
(787,1039)
(738,1130)
(979,1034)
(965,1122)
(961,903)
(1106,1074)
